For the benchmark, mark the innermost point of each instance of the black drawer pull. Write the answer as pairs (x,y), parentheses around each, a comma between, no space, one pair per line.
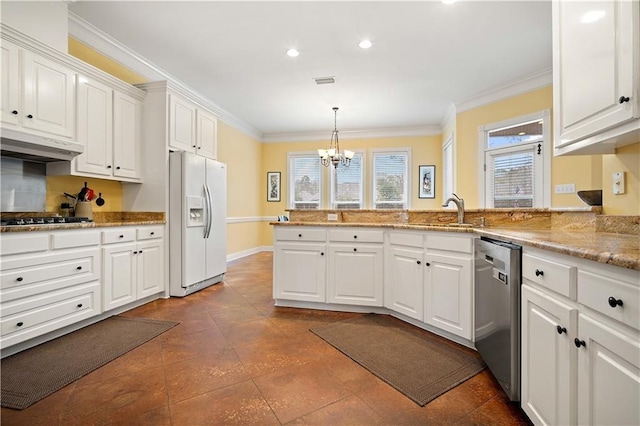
(14,112)
(135,252)
(140,252)
(79,305)
(539,273)
(355,249)
(613,302)
(579,342)
(118,168)
(29,116)
(561,329)
(79,268)
(299,235)
(152,233)
(427,264)
(109,166)
(418,262)
(623,99)
(19,279)
(355,236)
(121,236)
(20,324)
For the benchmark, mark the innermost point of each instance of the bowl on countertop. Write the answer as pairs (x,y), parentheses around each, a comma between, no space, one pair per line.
(592,197)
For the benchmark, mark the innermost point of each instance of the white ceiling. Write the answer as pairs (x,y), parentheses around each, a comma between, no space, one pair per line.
(425,55)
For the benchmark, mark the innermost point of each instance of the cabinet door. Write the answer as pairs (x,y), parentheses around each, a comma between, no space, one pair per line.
(447,297)
(355,275)
(119,275)
(608,375)
(127,113)
(48,96)
(300,272)
(547,357)
(207,134)
(95,127)
(10,75)
(150,273)
(589,82)
(404,281)
(182,124)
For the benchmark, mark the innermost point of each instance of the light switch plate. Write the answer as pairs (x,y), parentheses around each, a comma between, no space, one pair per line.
(332,217)
(618,183)
(567,188)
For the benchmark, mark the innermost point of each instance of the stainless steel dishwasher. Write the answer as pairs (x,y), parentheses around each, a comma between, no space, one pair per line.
(497,310)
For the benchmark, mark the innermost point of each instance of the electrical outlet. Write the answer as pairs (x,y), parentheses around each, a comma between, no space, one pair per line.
(618,183)
(333,217)
(567,188)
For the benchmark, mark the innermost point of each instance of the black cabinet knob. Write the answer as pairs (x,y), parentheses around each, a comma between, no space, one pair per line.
(193,146)
(355,249)
(29,116)
(539,273)
(79,305)
(321,253)
(427,264)
(118,168)
(579,342)
(79,268)
(14,112)
(20,324)
(623,99)
(109,166)
(561,329)
(135,252)
(19,279)
(199,147)
(418,262)
(613,302)
(121,236)
(355,236)
(140,251)
(299,235)
(152,233)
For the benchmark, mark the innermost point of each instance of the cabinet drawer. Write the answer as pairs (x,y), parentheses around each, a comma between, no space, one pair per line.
(150,232)
(301,234)
(28,275)
(356,235)
(450,243)
(555,276)
(118,235)
(31,317)
(71,239)
(413,239)
(595,290)
(24,243)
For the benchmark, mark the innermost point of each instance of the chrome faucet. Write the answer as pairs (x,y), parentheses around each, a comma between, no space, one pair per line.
(459,202)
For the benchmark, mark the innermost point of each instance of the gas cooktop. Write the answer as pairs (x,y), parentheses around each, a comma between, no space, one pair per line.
(50,220)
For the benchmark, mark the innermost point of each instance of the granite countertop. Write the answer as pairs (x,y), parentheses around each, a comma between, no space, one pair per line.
(100,220)
(614,249)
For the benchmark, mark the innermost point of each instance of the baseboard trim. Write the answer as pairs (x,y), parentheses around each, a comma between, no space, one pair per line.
(244,253)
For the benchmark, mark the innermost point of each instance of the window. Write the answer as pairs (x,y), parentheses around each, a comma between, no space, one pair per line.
(447,169)
(391,179)
(516,162)
(305,181)
(347,184)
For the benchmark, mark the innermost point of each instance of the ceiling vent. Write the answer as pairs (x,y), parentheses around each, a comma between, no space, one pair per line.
(325,80)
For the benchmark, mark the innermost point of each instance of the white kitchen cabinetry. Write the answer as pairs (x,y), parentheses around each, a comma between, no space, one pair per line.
(598,381)
(182,124)
(355,267)
(548,353)
(404,274)
(39,93)
(596,76)
(132,264)
(300,264)
(49,280)
(448,295)
(109,126)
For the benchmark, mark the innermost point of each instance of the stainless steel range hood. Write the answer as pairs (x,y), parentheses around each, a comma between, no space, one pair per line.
(43,149)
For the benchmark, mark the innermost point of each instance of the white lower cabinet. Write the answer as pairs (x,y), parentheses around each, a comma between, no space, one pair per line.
(548,353)
(608,374)
(404,281)
(355,274)
(300,271)
(132,269)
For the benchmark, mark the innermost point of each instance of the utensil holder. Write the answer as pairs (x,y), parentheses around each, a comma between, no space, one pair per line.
(83,209)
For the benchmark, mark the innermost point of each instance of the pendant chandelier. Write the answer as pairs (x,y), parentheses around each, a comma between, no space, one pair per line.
(333,154)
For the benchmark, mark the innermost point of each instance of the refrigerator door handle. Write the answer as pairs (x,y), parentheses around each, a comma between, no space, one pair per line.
(209,211)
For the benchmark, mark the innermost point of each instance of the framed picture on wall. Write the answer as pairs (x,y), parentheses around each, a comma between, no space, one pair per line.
(273,186)
(427,186)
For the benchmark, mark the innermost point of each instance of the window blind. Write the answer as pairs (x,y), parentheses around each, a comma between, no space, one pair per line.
(304,181)
(346,185)
(513,178)
(390,180)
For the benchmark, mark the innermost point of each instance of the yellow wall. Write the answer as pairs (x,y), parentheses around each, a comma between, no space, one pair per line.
(583,171)
(626,159)
(58,185)
(90,56)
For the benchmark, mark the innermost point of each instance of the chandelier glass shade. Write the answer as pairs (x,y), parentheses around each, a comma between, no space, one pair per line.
(333,155)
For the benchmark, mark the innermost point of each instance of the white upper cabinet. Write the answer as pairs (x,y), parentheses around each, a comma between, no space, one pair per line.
(37,93)
(127,117)
(596,75)
(95,127)
(192,128)
(207,134)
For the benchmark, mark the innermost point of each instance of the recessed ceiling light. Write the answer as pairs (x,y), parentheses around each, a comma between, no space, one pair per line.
(365,44)
(592,16)
(293,53)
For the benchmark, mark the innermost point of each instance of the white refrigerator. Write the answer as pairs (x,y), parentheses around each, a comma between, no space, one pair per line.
(197,222)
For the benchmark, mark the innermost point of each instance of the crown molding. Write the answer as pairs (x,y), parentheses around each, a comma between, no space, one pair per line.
(92,36)
(507,90)
(385,132)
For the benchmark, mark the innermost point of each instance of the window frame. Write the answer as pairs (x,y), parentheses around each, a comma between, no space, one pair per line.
(332,173)
(448,170)
(291,183)
(543,182)
(407,183)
